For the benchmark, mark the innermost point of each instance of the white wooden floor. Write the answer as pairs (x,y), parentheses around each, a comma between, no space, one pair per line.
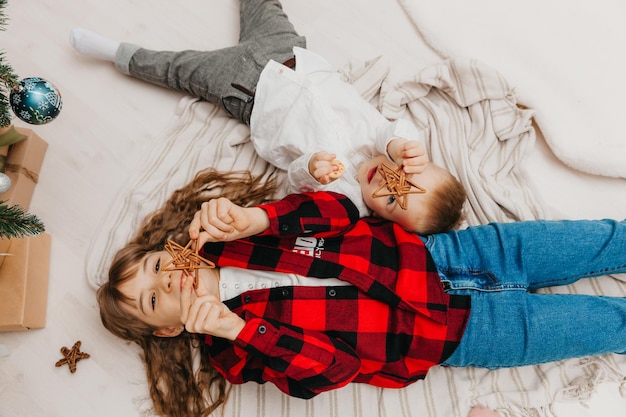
(96,141)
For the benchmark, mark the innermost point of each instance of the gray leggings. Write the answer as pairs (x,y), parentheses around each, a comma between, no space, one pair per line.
(225,77)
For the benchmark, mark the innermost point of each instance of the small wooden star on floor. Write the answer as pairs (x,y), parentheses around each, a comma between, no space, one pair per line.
(72,356)
(185,259)
(396,183)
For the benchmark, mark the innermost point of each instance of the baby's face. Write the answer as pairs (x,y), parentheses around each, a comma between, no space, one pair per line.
(387,207)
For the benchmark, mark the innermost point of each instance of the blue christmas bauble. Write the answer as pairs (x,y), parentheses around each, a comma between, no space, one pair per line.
(36,101)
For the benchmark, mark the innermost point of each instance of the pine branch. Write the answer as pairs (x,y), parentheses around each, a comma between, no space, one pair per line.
(16,223)
(9,82)
(3,16)
(7,75)
(5,115)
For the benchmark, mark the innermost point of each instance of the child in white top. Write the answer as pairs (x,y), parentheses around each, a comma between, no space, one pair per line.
(303,117)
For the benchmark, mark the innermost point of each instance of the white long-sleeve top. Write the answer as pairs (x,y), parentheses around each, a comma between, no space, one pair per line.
(303,111)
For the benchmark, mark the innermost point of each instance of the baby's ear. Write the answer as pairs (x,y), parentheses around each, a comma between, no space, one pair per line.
(169,331)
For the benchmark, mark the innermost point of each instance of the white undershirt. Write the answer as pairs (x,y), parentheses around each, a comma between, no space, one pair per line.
(235,281)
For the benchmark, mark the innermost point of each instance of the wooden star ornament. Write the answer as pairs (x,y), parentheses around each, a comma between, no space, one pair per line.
(186,259)
(71,356)
(396,183)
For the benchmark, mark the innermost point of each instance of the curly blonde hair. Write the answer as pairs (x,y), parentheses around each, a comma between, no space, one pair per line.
(177,387)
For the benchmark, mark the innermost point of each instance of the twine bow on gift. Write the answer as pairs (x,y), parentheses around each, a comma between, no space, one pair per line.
(395,183)
(33,176)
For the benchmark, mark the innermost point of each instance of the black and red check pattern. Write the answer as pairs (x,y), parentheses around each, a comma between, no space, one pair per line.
(387,330)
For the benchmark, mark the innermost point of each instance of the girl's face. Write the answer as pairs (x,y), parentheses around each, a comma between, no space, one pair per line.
(156,293)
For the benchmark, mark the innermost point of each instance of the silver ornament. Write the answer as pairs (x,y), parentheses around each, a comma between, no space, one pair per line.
(5,183)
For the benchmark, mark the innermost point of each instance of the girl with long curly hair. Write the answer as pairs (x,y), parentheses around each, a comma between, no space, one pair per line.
(177,389)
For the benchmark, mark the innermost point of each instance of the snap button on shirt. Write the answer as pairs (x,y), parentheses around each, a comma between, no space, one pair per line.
(236,281)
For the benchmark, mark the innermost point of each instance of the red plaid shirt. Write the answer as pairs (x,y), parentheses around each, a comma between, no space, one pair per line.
(387,329)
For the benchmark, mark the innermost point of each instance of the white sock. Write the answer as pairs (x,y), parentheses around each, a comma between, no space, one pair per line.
(92,44)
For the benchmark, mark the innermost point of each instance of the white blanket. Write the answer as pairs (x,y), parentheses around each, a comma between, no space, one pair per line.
(565,58)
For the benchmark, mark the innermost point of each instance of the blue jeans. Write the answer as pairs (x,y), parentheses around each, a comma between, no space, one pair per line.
(499,265)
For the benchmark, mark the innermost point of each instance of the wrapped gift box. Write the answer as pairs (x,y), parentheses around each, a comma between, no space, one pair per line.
(23,164)
(24,284)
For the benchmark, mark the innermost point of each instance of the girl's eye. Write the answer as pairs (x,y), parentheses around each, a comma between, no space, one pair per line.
(157,267)
(391,199)
(153,300)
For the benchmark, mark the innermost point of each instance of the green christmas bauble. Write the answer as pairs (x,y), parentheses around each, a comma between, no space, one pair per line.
(36,101)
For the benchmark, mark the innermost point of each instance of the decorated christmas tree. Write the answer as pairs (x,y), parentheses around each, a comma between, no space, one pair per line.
(14,221)
(33,100)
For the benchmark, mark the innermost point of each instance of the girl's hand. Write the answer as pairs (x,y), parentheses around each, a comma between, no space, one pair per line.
(220,220)
(408,153)
(320,165)
(204,313)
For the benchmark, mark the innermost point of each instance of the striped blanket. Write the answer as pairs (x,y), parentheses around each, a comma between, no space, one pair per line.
(479,133)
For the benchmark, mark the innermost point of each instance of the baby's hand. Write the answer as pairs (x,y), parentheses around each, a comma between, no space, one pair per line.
(410,154)
(324,167)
